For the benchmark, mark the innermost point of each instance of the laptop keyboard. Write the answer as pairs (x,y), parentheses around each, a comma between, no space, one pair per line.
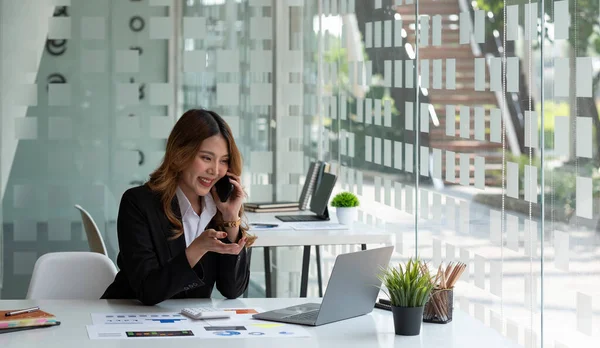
(312,315)
(292,218)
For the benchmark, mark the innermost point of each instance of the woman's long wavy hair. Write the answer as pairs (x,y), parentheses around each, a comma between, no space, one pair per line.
(182,147)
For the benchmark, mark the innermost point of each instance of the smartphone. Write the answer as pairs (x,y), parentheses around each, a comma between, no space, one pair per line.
(224,188)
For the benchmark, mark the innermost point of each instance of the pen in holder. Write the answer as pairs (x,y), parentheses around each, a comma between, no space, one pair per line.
(440,305)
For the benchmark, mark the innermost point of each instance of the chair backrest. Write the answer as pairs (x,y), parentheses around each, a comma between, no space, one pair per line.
(76,275)
(94,237)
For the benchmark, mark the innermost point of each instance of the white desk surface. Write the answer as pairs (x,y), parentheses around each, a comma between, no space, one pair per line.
(284,235)
(372,330)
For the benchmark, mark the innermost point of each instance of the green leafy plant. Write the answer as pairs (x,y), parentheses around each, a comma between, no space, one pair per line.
(345,200)
(408,285)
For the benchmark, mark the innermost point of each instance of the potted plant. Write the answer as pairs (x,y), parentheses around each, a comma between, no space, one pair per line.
(408,286)
(345,204)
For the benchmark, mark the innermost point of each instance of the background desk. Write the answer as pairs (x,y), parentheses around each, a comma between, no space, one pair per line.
(371,330)
(284,235)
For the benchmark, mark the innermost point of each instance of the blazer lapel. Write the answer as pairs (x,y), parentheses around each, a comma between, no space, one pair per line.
(176,246)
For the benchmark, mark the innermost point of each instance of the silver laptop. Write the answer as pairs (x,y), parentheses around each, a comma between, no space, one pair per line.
(352,290)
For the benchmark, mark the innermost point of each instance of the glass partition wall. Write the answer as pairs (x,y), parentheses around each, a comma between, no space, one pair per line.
(468,129)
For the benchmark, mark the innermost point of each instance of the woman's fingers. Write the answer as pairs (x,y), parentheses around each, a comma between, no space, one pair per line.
(215,234)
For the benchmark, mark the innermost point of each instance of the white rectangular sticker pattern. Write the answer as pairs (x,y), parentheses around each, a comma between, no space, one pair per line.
(530,183)
(369,72)
(398,73)
(437,164)
(408,73)
(359,182)
(496,125)
(387,192)
(512,22)
(584,313)
(377,193)
(387,34)
(479,26)
(343,143)
(464,169)
(561,250)
(437,74)
(530,27)
(408,116)
(495,227)
(450,162)
(584,202)
(425,117)
(479,114)
(583,87)
(368,148)
(496,74)
(424,203)
(377,30)
(450,120)
(561,76)
(424,78)
(408,156)
(436,209)
(480,262)
(512,232)
(512,179)
(360,109)
(496,277)
(480,172)
(343,107)
(377,150)
(368,35)
(398,195)
(408,202)
(531,129)
(464,217)
(465,122)
(387,113)
(387,153)
(351,144)
(561,20)
(512,74)
(584,137)
(436,30)
(424,33)
(424,158)
(479,74)
(377,112)
(451,73)
(530,238)
(368,111)
(465,28)
(387,73)
(398,155)
(398,33)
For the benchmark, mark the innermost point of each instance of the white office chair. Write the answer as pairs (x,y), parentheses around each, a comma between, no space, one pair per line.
(92,232)
(76,275)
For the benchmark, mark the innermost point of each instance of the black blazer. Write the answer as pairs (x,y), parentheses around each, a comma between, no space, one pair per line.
(154,268)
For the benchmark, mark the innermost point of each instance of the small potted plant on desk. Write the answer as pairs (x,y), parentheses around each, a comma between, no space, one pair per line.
(345,204)
(408,287)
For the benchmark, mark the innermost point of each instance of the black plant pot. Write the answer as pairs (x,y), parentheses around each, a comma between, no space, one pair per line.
(407,320)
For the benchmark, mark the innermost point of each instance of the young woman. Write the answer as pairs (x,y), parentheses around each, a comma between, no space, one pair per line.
(176,238)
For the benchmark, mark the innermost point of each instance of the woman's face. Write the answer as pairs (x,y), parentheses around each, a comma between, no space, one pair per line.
(210,164)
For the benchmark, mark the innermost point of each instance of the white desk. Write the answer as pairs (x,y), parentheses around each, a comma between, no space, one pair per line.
(372,330)
(284,235)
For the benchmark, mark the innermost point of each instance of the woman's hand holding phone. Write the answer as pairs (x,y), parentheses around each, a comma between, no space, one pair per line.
(230,209)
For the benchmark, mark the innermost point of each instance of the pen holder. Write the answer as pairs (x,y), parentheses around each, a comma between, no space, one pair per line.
(439,307)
